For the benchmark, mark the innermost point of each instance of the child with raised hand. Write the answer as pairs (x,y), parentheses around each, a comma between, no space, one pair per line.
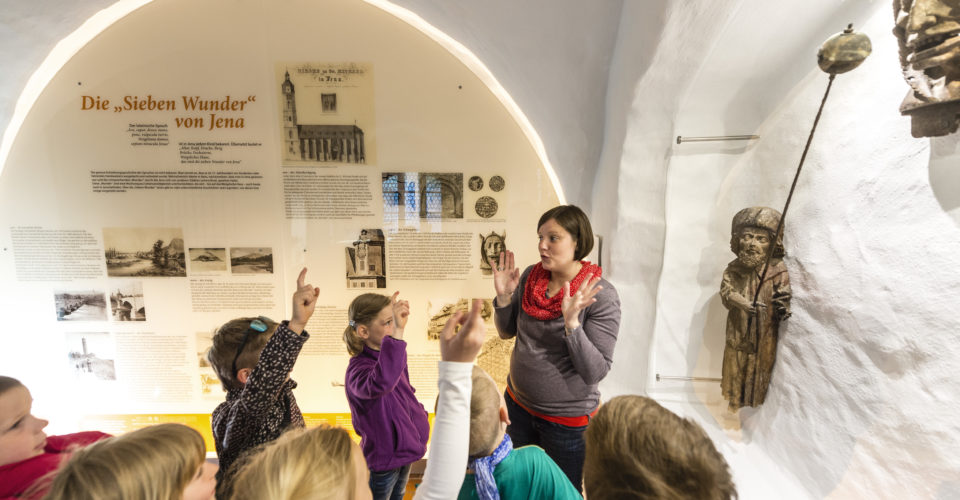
(497,470)
(160,462)
(253,358)
(323,463)
(391,422)
(26,452)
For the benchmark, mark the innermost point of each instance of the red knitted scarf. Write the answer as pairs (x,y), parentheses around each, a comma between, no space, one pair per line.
(535,301)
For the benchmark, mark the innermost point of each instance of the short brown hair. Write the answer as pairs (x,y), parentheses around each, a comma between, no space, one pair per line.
(302,463)
(155,462)
(484,414)
(7,383)
(364,309)
(571,218)
(226,341)
(637,449)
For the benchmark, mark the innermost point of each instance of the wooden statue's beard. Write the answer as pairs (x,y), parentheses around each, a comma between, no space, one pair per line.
(751,258)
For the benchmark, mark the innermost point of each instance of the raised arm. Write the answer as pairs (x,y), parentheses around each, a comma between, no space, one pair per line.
(280,354)
(450,442)
(371,380)
(592,341)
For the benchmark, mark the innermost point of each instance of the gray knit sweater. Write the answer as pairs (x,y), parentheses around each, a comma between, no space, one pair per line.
(554,373)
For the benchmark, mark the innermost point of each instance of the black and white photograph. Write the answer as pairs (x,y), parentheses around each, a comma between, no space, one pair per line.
(251,260)
(432,195)
(126,302)
(327,113)
(91,355)
(475,183)
(144,252)
(491,245)
(366,260)
(497,183)
(210,260)
(486,207)
(80,305)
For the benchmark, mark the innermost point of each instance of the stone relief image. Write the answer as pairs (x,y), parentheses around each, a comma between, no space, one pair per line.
(142,251)
(491,246)
(327,112)
(494,358)
(439,318)
(752,331)
(367,260)
(926,31)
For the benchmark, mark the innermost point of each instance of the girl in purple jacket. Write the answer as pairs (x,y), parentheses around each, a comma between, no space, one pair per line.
(392,424)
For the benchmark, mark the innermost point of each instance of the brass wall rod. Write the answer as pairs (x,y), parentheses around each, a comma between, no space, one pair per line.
(681,139)
(695,379)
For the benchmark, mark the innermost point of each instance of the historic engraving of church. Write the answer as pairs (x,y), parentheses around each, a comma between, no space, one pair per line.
(335,107)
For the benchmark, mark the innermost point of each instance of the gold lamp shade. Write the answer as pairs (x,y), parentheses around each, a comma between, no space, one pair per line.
(844,51)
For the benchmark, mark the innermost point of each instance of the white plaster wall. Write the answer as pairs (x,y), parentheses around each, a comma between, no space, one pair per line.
(862,402)
(28,32)
(553,57)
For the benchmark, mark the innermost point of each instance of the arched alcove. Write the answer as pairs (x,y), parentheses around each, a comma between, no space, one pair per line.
(155,158)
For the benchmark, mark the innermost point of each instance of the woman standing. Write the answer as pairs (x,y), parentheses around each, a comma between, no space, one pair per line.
(566,319)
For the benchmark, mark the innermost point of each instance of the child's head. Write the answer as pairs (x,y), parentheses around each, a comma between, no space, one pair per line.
(236,348)
(637,449)
(318,463)
(21,434)
(160,462)
(370,319)
(488,415)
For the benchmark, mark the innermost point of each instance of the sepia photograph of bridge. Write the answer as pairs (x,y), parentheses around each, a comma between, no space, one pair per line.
(255,260)
(144,252)
(80,305)
(126,302)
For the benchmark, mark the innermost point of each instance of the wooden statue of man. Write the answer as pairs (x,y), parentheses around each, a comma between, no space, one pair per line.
(752,330)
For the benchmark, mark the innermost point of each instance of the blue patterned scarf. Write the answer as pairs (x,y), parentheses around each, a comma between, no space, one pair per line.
(483,470)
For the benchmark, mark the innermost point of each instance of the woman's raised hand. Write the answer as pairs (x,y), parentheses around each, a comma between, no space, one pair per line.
(573,304)
(506,277)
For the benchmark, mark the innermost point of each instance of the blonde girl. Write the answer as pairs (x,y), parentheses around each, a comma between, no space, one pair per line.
(160,462)
(322,463)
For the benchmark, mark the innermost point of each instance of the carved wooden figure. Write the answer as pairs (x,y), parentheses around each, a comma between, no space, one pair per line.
(930,57)
(752,328)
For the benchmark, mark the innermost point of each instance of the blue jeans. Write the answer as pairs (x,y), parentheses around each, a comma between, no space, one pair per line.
(389,484)
(562,443)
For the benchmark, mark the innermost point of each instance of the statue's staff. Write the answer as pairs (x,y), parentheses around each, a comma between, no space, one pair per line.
(839,54)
